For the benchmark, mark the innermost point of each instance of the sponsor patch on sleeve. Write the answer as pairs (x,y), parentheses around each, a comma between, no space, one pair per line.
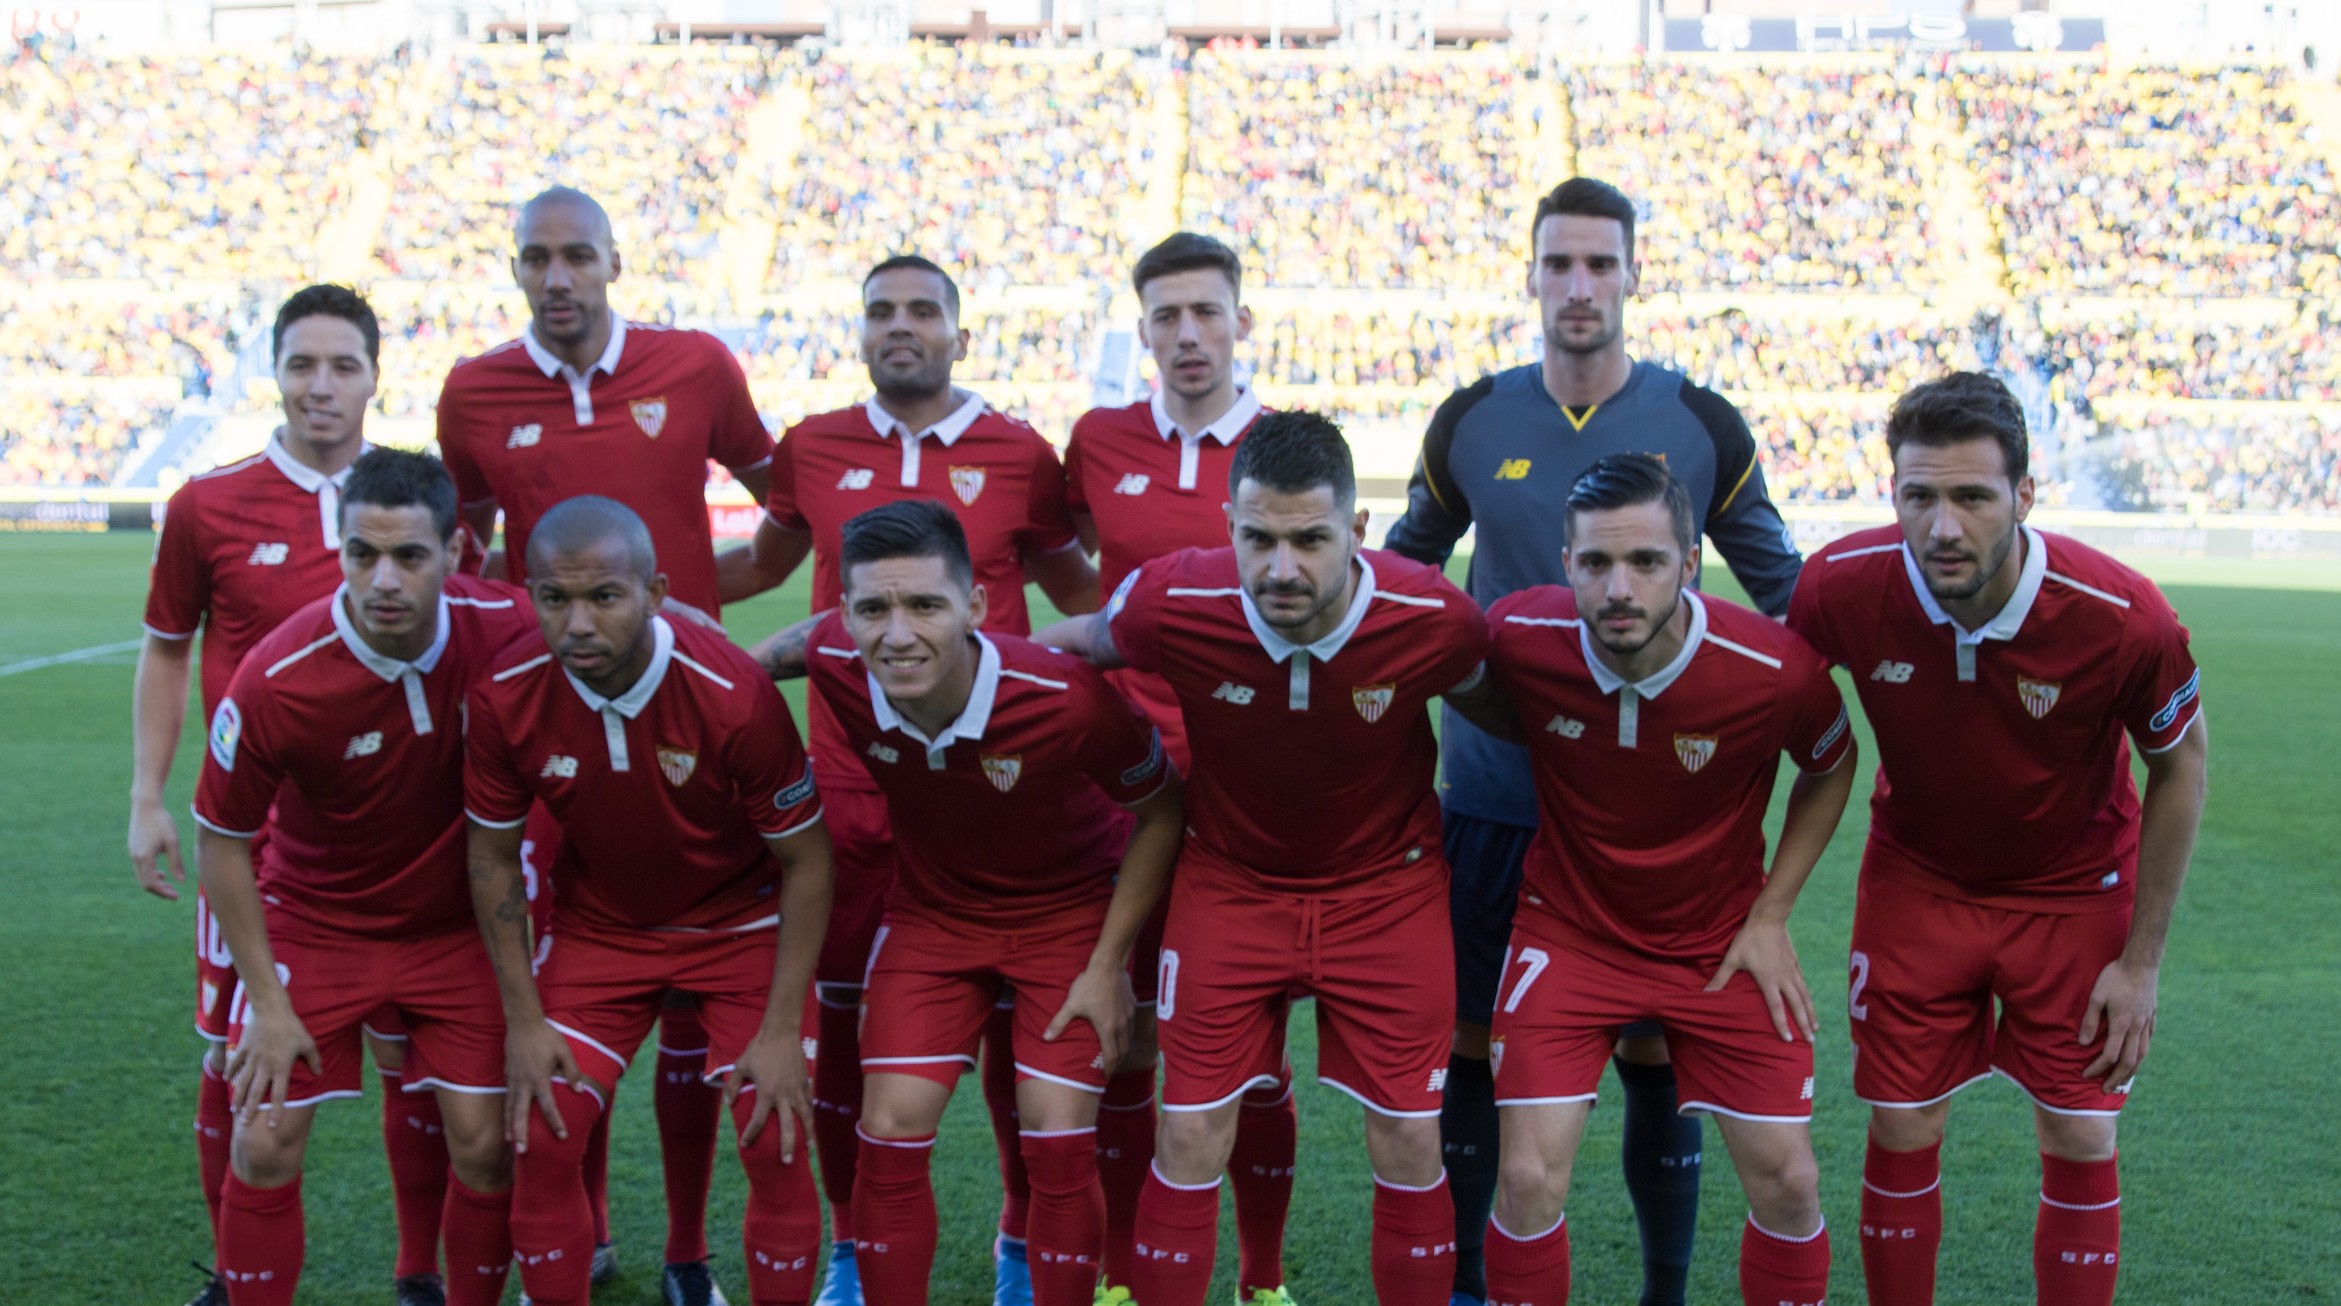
(1830,736)
(1113,606)
(1138,774)
(800,792)
(2163,719)
(227,727)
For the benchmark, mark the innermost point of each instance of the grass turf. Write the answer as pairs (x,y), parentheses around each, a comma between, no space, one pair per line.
(2228,1197)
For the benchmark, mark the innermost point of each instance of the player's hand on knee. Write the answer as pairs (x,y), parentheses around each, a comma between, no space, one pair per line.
(260,1065)
(534,1056)
(1763,949)
(1101,996)
(773,1064)
(2121,1009)
(154,850)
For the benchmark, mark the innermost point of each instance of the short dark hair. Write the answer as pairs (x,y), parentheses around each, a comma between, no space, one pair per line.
(399,478)
(1959,407)
(1623,480)
(1293,451)
(907,528)
(329,301)
(581,523)
(1185,251)
(917,263)
(1586,198)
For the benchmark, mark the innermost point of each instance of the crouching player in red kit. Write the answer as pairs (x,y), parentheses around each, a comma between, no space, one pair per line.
(693,859)
(1655,720)
(1007,767)
(1304,665)
(343,734)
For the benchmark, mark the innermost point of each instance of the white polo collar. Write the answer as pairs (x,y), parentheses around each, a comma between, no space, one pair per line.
(889,427)
(326,488)
(1656,683)
(580,383)
(972,719)
(615,712)
(1225,429)
(407,674)
(2010,618)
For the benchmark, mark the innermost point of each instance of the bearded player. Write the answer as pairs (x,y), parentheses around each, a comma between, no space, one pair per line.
(1300,658)
(2016,892)
(1656,720)
(1143,481)
(918,437)
(692,860)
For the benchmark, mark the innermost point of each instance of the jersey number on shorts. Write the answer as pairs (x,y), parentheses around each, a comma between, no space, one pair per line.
(1532,964)
(1166,984)
(212,944)
(1861,980)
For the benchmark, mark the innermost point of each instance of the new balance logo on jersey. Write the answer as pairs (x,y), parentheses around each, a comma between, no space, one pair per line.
(1229,691)
(2039,695)
(1512,469)
(856,478)
(1893,673)
(1132,483)
(365,745)
(1566,728)
(884,754)
(269,555)
(524,436)
(558,767)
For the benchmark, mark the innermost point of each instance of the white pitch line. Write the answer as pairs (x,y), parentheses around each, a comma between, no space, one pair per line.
(77,655)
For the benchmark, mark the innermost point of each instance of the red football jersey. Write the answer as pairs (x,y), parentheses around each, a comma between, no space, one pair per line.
(664,795)
(1014,812)
(1313,764)
(242,548)
(1651,793)
(996,473)
(361,756)
(518,426)
(2003,770)
(1153,489)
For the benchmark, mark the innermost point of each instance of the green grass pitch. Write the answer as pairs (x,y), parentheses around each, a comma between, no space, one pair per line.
(2230,1195)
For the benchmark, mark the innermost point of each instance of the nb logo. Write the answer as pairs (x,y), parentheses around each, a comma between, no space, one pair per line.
(1512,469)
(884,754)
(559,768)
(1893,673)
(1132,483)
(269,555)
(1439,1080)
(858,478)
(524,436)
(365,745)
(1566,728)
(1231,692)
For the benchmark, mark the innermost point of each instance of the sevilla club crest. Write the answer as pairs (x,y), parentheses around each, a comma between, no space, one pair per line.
(677,765)
(2038,695)
(1373,700)
(1003,771)
(967,482)
(651,415)
(1694,751)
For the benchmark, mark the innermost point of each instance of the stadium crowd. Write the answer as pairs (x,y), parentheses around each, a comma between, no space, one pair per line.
(2195,463)
(48,440)
(2187,360)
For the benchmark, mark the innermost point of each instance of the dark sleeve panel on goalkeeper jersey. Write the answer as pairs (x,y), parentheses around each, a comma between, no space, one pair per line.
(1437,509)
(1746,528)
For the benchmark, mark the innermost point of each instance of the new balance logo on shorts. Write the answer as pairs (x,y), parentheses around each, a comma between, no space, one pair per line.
(1439,1080)
(559,767)
(363,745)
(1893,673)
(269,555)
(858,478)
(1231,692)
(1132,483)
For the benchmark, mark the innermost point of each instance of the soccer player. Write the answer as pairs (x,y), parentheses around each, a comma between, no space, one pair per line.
(585,402)
(692,859)
(1006,767)
(1142,481)
(1304,665)
(1500,456)
(243,547)
(1655,720)
(2007,673)
(918,437)
(342,736)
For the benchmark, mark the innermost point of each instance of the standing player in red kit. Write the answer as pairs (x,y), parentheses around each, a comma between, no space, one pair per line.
(1304,665)
(585,402)
(918,437)
(692,859)
(342,736)
(1143,481)
(242,548)
(1655,720)
(2006,672)
(1007,768)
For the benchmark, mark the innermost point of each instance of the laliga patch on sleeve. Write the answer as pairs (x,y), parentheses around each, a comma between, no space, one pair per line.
(227,726)
(1113,606)
(799,792)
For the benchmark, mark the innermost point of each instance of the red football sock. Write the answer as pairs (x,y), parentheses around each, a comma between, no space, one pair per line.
(597,1173)
(1528,1271)
(552,1221)
(1901,1224)
(1125,1152)
(479,1244)
(781,1234)
(688,1111)
(215,1125)
(416,1143)
(837,1111)
(1414,1244)
(1260,1170)
(2076,1246)
(1067,1238)
(894,1220)
(260,1242)
(1000,1099)
(1178,1234)
(1779,1271)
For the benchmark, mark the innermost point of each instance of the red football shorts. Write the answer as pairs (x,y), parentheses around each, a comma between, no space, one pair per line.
(933,983)
(1925,972)
(1562,998)
(540,847)
(861,849)
(215,974)
(604,988)
(1380,964)
(440,985)
(1146,956)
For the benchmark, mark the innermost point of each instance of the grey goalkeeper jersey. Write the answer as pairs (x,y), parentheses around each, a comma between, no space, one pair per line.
(1501,455)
